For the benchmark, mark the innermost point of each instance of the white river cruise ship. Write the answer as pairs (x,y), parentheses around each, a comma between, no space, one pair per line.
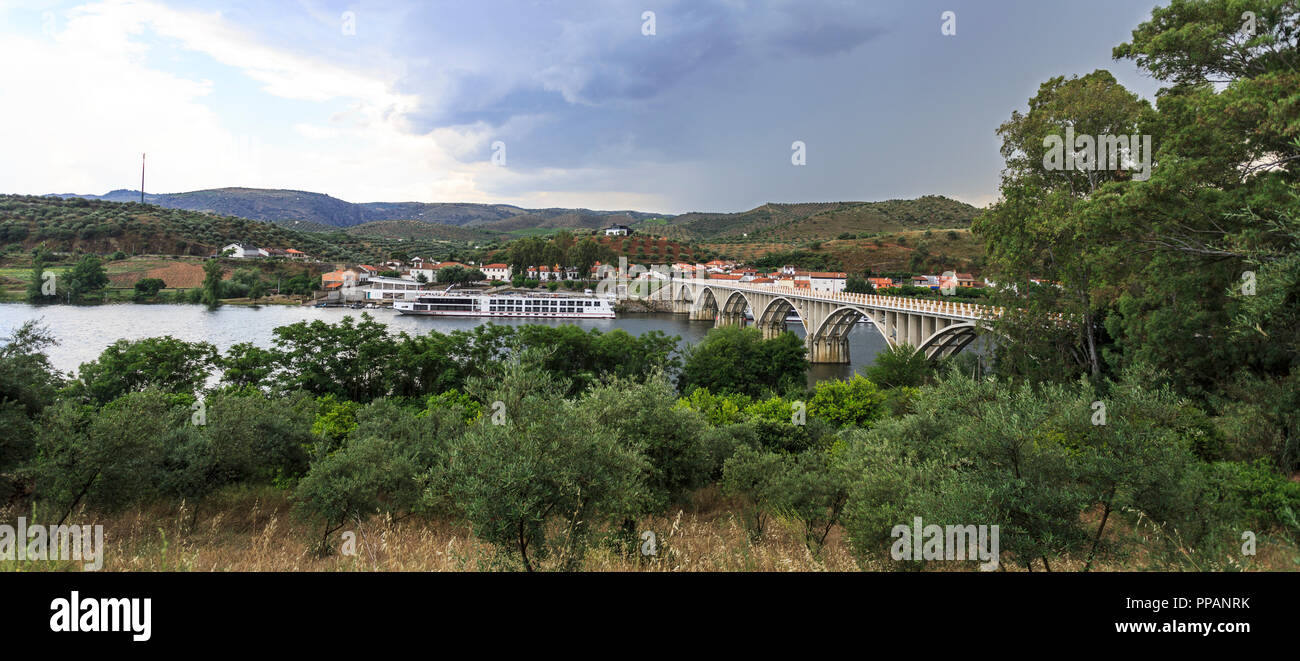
(509,304)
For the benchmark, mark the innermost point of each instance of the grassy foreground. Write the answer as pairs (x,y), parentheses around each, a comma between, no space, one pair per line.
(255,529)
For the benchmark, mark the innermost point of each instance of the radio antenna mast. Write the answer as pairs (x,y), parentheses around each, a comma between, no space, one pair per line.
(142,178)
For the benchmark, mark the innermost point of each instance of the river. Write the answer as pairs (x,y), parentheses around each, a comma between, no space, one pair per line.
(84,331)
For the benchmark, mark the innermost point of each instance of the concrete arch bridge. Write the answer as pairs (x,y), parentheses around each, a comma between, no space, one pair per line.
(937,328)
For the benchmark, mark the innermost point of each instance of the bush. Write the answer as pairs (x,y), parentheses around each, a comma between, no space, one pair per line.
(732,359)
(900,366)
(538,483)
(856,402)
(147,288)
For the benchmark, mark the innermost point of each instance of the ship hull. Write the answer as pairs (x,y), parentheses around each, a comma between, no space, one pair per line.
(511,315)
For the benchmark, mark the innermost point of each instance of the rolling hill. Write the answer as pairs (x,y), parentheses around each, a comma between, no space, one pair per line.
(78,225)
(289,205)
(818,221)
(417,230)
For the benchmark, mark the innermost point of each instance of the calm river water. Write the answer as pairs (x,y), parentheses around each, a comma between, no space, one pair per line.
(84,331)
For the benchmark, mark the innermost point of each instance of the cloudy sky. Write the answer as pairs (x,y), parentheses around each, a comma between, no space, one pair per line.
(405,100)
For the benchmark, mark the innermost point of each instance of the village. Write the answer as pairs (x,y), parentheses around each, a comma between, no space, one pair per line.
(397,280)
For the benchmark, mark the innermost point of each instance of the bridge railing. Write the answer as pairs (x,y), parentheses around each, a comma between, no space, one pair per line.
(897,303)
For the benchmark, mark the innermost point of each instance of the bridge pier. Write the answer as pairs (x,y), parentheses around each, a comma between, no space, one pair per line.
(828,350)
(681,307)
(702,314)
(729,319)
(773,330)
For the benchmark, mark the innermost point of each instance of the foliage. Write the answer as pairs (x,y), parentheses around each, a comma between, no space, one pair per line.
(146,288)
(856,402)
(28,384)
(899,366)
(165,363)
(537,484)
(738,360)
(85,279)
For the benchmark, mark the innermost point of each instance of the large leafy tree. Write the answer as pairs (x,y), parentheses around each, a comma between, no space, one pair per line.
(732,359)
(212,283)
(1039,232)
(164,363)
(86,278)
(1214,293)
(35,287)
(28,384)
(539,474)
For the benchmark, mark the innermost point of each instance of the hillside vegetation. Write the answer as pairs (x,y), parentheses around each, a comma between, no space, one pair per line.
(820,221)
(417,230)
(274,205)
(918,251)
(91,226)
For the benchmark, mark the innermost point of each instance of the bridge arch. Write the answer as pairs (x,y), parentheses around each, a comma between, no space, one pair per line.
(838,323)
(685,294)
(705,305)
(777,310)
(948,340)
(736,303)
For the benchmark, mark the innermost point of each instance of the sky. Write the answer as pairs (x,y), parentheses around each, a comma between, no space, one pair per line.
(663,106)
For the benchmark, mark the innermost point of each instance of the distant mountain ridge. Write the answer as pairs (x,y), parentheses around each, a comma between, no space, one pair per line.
(273,205)
(317,212)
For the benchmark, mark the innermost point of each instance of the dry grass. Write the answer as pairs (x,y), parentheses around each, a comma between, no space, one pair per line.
(255,530)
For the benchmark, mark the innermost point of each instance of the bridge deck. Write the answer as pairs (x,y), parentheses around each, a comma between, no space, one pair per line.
(948,309)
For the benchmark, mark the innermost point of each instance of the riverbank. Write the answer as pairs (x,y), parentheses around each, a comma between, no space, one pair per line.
(84,331)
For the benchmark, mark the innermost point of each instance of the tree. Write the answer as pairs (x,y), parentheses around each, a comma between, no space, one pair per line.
(36,287)
(539,482)
(739,360)
(212,283)
(809,487)
(164,363)
(899,366)
(28,384)
(1032,459)
(646,418)
(106,458)
(856,285)
(247,365)
(85,278)
(1040,229)
(244,438)
(349,359)
(146,288)
(856,402)
(584,256)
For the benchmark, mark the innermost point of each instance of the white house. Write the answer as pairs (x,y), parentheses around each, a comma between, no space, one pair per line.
(430,275)
(241,251)
(497,271)
(827,281)
(383,288)
(618,230)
